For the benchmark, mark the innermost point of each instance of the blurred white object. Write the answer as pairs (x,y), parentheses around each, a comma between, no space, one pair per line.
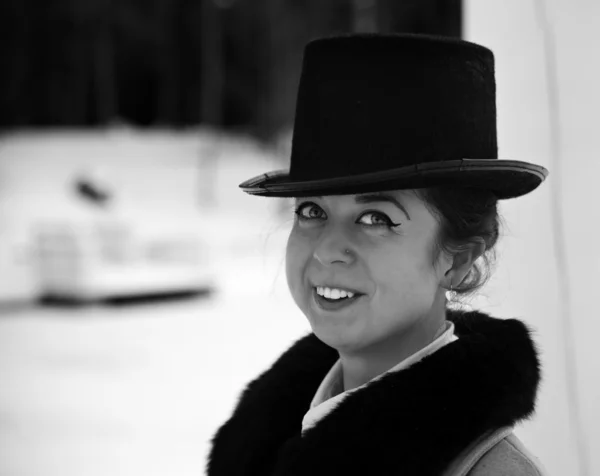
(174,201)
(19,282)
(113,260)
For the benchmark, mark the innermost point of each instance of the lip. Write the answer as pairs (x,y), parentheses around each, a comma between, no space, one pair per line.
(325,305)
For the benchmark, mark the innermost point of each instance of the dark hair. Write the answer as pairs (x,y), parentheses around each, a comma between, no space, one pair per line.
(466,215)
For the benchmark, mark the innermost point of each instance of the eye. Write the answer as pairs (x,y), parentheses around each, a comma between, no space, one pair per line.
(309,211)
(377,219)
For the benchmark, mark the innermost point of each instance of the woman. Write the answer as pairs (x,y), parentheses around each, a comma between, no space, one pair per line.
(396,179)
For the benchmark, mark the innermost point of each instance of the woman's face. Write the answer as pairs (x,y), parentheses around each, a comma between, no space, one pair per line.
(379,246)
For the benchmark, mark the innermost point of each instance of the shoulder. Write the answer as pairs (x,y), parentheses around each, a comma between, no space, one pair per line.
(508,457)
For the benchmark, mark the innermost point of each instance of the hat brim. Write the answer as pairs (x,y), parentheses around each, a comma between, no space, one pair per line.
(506,178)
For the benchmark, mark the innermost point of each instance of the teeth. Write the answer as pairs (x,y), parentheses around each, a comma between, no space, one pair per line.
(333,293)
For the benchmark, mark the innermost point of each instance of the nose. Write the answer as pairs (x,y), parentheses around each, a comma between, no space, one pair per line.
(332,249)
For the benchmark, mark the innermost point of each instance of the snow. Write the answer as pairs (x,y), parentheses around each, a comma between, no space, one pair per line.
(140,389)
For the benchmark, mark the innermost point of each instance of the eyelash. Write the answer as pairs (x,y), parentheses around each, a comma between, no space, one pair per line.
(389,223)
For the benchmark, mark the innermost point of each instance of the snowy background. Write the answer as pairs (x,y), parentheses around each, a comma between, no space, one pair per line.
(138,388)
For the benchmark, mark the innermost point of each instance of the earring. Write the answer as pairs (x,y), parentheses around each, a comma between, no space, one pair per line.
(451,293)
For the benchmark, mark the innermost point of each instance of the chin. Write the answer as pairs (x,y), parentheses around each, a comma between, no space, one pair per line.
(343,339)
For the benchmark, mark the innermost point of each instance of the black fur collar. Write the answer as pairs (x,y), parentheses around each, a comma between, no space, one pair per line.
(412,422)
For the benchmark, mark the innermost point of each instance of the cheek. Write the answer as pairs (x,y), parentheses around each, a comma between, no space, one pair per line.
(296,258)
(406,277)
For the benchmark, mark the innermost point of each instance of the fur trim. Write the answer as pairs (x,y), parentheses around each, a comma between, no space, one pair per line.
(411,422)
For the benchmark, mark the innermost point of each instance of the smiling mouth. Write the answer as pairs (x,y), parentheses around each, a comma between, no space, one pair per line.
(329,304)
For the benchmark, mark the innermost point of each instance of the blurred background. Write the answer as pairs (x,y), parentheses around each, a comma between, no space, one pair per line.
(140,289)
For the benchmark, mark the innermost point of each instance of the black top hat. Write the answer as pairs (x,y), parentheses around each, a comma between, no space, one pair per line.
(384,112)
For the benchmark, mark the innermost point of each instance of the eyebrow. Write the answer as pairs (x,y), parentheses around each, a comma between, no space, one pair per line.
(381,197)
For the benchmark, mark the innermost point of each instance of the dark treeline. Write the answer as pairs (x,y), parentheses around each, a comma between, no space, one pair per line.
(231,63)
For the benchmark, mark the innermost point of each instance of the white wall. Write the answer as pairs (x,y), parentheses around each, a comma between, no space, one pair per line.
(527,283)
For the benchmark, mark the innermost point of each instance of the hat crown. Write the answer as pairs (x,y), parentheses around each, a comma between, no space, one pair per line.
(369,103)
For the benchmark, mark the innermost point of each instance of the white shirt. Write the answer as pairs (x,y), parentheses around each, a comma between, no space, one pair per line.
(330,392)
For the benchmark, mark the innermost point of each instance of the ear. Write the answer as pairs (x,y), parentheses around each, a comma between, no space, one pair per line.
(462,262)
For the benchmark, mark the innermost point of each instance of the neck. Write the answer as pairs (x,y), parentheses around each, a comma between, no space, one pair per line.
(363,366)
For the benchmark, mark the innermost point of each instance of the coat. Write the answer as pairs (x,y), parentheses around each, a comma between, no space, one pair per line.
(450,414)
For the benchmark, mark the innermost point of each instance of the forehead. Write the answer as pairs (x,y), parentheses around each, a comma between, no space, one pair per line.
(404,196)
